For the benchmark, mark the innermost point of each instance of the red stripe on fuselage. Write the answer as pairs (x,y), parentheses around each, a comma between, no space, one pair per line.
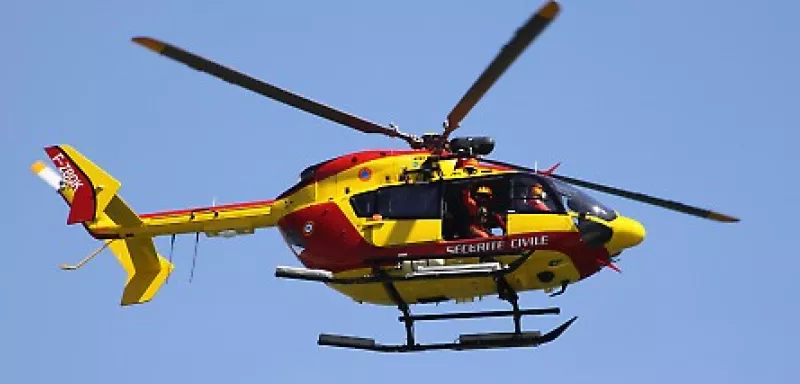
(332,243)
(355,159)
(343,163)
(206,209)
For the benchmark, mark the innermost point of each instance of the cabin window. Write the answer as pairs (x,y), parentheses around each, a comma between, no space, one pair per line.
(365,204)
(412,201)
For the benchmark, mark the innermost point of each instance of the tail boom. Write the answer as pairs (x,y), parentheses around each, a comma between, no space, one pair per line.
(239,218)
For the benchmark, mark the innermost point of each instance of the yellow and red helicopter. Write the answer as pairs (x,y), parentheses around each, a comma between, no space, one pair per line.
(437,222)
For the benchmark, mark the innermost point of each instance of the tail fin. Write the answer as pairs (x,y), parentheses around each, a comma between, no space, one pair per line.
(91,194)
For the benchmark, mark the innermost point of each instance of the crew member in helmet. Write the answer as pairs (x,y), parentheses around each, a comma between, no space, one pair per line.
(537,199)
(482,220)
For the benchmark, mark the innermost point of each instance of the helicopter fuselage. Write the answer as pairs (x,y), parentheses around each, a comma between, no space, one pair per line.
(378,205)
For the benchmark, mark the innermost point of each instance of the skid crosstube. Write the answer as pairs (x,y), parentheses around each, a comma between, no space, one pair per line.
(464,342)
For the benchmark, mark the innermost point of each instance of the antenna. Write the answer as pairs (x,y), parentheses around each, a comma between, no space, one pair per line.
(194,259)
(171,250)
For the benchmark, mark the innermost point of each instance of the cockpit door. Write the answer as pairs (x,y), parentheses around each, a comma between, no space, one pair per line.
(536,207)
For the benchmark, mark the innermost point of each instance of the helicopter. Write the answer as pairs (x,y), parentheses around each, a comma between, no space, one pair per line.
(437,222)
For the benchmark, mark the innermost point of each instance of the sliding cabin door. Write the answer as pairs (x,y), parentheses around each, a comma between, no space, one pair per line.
(400,214)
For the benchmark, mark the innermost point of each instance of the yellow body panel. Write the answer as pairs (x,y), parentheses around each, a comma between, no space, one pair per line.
(387,233)
(628,233)
(383,172)
(526,222)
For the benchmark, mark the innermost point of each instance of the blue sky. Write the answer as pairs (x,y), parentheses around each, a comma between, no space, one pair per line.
(693,101)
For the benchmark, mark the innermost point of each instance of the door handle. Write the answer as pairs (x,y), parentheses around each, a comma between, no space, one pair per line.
(375,221)
(371,224)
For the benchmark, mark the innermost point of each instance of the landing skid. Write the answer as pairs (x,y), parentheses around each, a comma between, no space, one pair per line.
(464,342)
(517,338)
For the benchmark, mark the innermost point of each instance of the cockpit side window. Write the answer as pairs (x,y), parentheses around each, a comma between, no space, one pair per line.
(532,194)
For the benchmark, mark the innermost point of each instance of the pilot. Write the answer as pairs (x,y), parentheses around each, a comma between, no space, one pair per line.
(537,198)
(482,220)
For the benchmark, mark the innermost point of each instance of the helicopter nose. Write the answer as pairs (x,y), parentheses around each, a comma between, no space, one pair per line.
(626,233)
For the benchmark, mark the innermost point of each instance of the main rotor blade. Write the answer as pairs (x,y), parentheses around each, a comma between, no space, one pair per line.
(268,90)
(663,203)
(640,197)
(523,37)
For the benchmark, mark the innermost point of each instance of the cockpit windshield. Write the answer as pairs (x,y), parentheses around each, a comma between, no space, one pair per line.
(576,200)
